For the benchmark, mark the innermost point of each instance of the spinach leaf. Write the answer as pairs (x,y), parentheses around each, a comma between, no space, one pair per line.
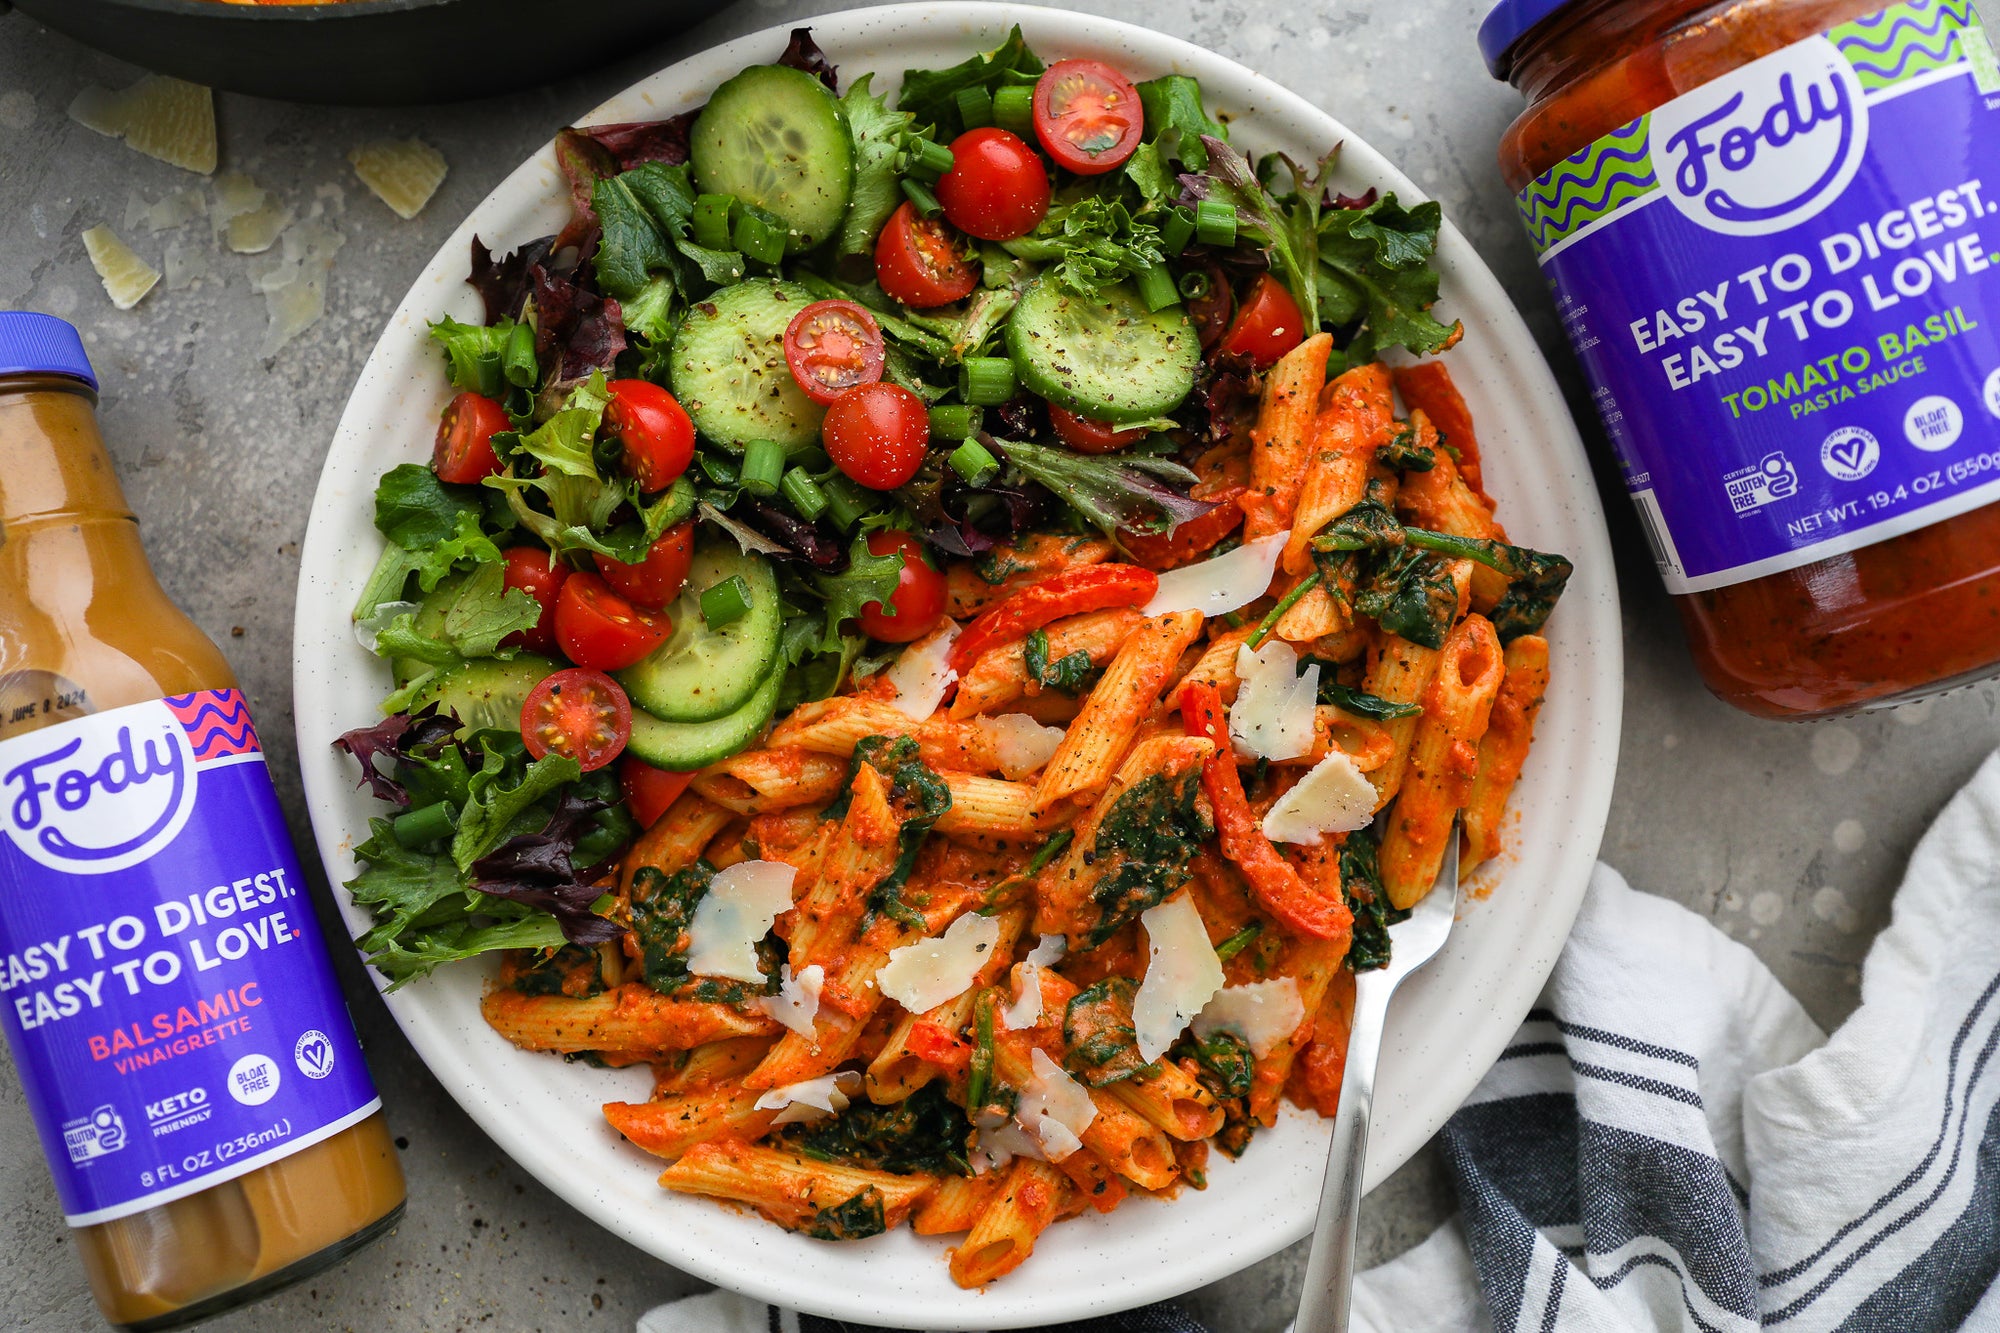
(1226,1065)
(573,970)
(662,910)
(1410,594)
(1358,702)
(1102,1045)
(1535,578)
(925,1132)
(1144,841)
(917,795)
(930,95)
(856,1219)
(1066,675)
(1361,885)
(1403,454)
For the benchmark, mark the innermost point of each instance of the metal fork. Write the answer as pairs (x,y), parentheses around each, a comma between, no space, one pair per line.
(1329,1284)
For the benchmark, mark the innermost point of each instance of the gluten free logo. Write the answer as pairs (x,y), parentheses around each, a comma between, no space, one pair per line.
(1849,454)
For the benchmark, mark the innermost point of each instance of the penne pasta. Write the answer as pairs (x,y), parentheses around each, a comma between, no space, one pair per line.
(1095,742)
(1355,419)
(1440,500)
(1280,443)
(822,1199)
(759,781)
(632,1019)
(1000,677)
(957,1203)
(1504,748)
(1007,1228)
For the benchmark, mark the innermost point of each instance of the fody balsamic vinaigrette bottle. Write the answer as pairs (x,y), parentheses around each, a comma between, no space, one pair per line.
(200,1095)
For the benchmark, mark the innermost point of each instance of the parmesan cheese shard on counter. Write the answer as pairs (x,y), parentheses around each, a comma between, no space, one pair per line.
(402,173)
(923,673)
(161,117)
(1263,1013)
(737,911)
(1182,973)
(127,278)
(1333,797)
(796,1004)
(1272,717)
(1220,585)
(294,284)
(924,975)
(1021,745)
(812,1099)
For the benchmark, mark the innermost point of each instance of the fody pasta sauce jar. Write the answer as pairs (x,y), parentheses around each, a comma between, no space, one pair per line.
(1772,231)
(170,1006)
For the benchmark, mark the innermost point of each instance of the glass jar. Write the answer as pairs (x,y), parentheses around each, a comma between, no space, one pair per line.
(1770,230)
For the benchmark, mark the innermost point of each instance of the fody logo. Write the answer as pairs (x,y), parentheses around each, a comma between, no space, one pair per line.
(1767,146)
(101,793)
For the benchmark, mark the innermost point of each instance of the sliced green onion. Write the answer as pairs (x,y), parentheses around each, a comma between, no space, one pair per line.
(517,359)
(758,235)
(975,462)
(420,828)
(803,494)
(1014,108)
(710,220)
(1194,285)
(986,381)
(725,602)
(975,107)
(718,467)
(931,158)
(1232,946)
(1156,287)
(920,194)
(845,501)
(1215,223)
(1177,230)
(1277,613)
(763,467)
(954,421)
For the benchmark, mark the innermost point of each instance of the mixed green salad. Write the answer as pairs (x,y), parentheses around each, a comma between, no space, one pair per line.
(793,353)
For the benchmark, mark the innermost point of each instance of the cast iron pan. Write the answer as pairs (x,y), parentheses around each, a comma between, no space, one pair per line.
(368,52)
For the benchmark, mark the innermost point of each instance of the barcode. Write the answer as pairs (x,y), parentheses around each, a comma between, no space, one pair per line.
(1653,524)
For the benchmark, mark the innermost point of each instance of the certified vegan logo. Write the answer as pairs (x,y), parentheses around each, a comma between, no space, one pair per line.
(1766,146)
(99,794)
(1850,453)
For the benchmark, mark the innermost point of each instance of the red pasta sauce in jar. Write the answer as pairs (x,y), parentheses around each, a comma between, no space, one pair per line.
(1772,230)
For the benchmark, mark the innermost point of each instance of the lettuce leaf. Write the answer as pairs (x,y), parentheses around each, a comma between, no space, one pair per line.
(1375,265)
(877,133)
(1090,244)
(930,95)
(487,358)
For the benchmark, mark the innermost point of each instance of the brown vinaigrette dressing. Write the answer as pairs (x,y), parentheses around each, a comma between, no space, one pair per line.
(79,608)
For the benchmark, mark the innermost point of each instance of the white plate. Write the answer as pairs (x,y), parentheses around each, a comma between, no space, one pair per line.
(1448,1025)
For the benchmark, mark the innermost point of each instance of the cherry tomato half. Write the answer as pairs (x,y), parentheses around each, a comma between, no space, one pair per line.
(877,434)
(1091,437)
(535,572)
(917,261)
(1087,116)
(648,790)
(464,450)
(655,581)
(603,630)
(580,713)
(831,346)
(917,603)
(997,187)
(654,428)
(1268,325)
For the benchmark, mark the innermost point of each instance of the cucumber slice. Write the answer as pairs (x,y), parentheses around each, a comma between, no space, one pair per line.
(775,137)
(702,673)
(487,693)
(729,370)
(685,746)
(1105,356)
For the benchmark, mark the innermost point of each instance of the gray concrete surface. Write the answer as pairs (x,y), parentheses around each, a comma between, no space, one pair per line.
(1792,838)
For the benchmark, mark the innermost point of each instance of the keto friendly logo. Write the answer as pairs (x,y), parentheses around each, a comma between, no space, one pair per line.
(1765,147)
(100,794)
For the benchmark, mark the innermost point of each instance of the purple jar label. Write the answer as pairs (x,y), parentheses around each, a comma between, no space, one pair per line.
(163,983)
(1785,290)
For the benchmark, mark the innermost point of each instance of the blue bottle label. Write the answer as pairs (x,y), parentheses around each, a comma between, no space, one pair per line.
(163,983)
(1785,289)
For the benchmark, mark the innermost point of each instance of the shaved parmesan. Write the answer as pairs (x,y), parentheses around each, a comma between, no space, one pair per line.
(172,210)
(1026,1011)
(737,911)
(161,117)
(1020,744)
(235,194)
(1333,797)
(1054,1107)
(254,232)
(814,1099)
(127,278)
(184,267)
(402,173)
(294,284)
(1272,717)
(796,1004)
(1263,1013)
(922,674)
(1182,973)
(1226,583)
(924,975)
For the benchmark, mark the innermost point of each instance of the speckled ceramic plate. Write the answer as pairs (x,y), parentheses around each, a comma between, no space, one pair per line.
(1448,1025)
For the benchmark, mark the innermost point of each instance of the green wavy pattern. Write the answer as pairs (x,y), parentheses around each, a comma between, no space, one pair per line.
(1903,41)
(1589,185)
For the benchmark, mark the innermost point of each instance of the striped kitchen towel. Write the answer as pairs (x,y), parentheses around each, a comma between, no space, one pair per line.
(1669,1143)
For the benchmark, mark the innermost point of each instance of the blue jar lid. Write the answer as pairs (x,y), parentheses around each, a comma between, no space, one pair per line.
(37,344)
(1507,24)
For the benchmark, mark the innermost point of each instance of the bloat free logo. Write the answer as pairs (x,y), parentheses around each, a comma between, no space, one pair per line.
(99,794)
(1764,147)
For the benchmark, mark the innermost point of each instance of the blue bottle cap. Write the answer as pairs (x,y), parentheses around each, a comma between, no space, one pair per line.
(1507,24)
(36,344)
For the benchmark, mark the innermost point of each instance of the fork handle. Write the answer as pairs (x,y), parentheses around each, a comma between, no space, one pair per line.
(1329,1280)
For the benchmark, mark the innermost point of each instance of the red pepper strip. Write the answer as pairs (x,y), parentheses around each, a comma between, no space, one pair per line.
(1164,550)
(933,1045)
(1070,593)
(1272,878)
